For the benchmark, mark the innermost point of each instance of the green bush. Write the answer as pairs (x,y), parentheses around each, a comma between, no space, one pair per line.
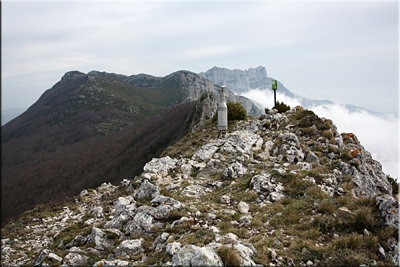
(236,111)
(395,185)
(282,107)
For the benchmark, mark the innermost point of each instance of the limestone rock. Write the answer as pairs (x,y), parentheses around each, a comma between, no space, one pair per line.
(234,171)
(243,207)
(112,263)
(43,255)
(125,206)
(129,247)
(172,248)
(225,199)
(195,190)
(291,139)
(163,200)
(389,208)
(100,239)
(76,259)
(205,152)
(265,185)
(245,220)
(160,165)
(246,252)
(117,222)
(344,212)
(79,240)
(191,255)
(54,258)
(97,211)
(312,158)
(147,189)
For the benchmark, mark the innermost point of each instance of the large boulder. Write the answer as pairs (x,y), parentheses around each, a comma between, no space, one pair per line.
(172,248)
(160,165)
(147,190)
(129,247)
(367,184)
(163,200)
(191,255)
(245,251)
(143,221)
(389,208)
(243,141)
(234,171)
(102,242)
(125,205)
(368,178)
(75,259)
(117,222)
(205,152)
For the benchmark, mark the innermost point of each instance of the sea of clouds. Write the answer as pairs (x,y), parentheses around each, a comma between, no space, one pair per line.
(378,134)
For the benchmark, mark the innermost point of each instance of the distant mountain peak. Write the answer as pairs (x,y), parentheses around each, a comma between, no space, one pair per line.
(72,75)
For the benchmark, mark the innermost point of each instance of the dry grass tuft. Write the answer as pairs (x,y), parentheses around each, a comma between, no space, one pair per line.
(229,256)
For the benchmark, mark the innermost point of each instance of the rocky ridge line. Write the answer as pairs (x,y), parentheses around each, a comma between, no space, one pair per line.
(151,219)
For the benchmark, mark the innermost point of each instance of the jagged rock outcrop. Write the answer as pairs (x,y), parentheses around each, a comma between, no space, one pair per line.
(238,80)
(205,109)
(279,209)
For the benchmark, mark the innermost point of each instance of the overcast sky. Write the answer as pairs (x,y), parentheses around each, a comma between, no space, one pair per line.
(344,51)
(336,50)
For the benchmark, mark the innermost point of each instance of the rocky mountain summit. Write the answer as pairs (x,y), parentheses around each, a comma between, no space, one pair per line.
(278,190)
(242,81)
(191,87)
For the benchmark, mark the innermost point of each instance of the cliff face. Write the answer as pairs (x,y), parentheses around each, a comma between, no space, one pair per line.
(239,81)
(282,189)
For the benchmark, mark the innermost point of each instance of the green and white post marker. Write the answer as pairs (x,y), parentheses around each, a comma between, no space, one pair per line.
(274,87)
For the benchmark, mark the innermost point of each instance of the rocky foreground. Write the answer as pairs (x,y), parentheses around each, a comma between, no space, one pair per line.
(280,190)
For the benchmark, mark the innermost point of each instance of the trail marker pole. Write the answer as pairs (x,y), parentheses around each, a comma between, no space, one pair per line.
(274,87)
(222,113)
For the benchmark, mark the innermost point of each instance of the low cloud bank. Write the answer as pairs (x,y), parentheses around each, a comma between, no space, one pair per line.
(378,135)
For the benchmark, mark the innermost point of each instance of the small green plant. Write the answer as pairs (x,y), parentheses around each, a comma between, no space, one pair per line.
(236,111)
(327,134)
(282,107)
(345,156)
(395,185)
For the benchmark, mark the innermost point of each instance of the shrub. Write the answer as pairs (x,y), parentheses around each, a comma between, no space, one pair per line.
(394,183)
(326,207)
(282,107)
(371,242)
(327,134)
(236,111)
(228,256)
(345,156)
(362,218)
